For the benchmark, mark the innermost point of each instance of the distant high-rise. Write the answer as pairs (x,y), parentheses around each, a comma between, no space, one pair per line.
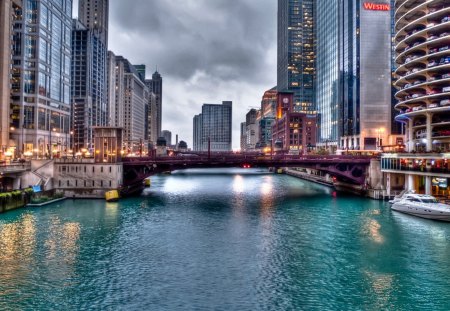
(41,76)
(168,136)
(252,129)
(94,14)
(212,128)
(197,146)
(296,52)
(243,142)
(156,87)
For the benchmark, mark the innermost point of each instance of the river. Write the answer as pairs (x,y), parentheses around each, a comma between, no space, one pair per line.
(229,239)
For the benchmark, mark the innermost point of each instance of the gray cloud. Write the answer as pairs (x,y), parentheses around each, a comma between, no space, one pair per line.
(206,51)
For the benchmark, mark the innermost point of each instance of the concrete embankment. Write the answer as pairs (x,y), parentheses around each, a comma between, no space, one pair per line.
(310,175)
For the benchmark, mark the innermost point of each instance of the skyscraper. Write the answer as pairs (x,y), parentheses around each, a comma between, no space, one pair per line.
(6,20)
(94,14)
(131,98)
(212,128)
(252,129)
(89,72)
(41,76)
(89,86)
(156,87)
(328,101)
(354,70)
(296,52)
(197,146)
(243,137)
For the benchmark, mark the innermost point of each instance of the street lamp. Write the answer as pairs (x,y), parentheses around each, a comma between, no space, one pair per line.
(71,140)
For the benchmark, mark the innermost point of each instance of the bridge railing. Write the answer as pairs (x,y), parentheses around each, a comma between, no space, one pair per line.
(247,157)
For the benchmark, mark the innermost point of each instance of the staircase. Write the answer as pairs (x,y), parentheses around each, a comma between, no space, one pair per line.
(43,180)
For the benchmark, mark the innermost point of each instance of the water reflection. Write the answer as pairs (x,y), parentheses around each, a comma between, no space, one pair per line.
(236,240)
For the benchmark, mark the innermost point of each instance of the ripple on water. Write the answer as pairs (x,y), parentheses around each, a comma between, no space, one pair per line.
(223,240)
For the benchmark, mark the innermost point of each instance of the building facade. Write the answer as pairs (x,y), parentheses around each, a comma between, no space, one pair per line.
(131,98)
(155,85)
(243,137)
(89,85)
(328,100)
(40,101)
(197,137)
(293,132)
(152,115)
(213,128)
(296,52)
(168,136)
(252,130)
(353,91)
(94,14)
(365,45)
(6,19)
(422,40)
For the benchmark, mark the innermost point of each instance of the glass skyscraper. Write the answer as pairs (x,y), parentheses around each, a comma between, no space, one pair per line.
(296,52)
(354,74)
(328,100)
(41,76)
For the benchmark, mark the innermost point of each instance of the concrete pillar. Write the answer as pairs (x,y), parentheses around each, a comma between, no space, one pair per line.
(429,137)
(428,185)
(388,184)
(409,128)
(410,182)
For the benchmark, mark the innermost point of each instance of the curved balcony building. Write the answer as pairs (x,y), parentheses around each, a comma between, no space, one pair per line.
(422,47)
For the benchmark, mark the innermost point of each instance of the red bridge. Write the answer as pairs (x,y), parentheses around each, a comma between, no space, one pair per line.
(350,169)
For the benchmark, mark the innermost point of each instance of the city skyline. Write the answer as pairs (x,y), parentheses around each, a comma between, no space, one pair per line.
(238,65)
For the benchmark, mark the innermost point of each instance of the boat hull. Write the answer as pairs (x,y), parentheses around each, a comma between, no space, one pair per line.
(423,213)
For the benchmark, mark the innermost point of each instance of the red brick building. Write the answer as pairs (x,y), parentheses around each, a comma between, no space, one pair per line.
(293,131)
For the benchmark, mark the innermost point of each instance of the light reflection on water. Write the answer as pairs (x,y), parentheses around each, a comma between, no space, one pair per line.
(224,240)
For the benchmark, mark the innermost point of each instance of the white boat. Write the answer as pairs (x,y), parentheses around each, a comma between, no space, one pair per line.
(420,205)
(400,196)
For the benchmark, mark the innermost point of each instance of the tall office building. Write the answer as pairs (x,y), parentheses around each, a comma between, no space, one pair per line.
(296,52)
(131,98)
(328,99)
(252,129)
(156,87)
(365,45)
(6,20)
(94,14)
(89,72)
(215,123)
(243,137)
(41,77)
(354,74)
(89,85)
(197,137)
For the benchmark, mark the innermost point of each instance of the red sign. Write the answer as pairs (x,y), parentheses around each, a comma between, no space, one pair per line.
(376,6)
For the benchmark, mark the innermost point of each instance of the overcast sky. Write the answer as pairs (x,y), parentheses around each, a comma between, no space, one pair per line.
(207,51)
